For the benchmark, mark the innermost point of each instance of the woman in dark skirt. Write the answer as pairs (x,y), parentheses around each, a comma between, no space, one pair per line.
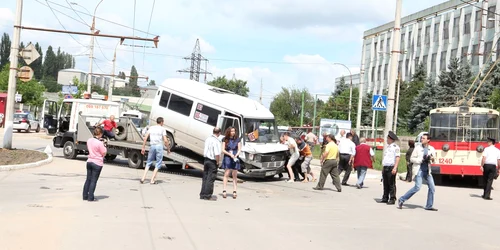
(231,148)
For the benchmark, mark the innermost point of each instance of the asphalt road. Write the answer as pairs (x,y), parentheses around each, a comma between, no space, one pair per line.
(41,208)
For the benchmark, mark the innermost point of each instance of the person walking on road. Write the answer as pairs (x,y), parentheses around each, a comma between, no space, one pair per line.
(311,140)
(409,165)
(363,160)
(489,166)
(390,168)
(306,157)
(294,155)
(422,157)
(95,162)
(231,148)
(158,137)
(355,138)
(347,150)
(212,154)
(329,165)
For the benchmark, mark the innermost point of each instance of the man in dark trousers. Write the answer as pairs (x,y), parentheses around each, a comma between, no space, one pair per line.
(390,169)
(355,138)
(212,154)
(347,151)
(489,166)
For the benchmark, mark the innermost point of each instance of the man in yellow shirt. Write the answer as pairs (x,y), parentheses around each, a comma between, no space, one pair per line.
(329,164)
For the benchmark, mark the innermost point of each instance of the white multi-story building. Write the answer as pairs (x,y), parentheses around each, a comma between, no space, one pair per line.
(355,81)
(467,30)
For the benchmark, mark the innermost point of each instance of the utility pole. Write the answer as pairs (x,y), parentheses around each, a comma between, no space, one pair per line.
(260,91)
(396,44)
(361,89)
(195,58)
(91,57)
(314,113)
(397,103)
(11,90)
(302,109)
(112,82)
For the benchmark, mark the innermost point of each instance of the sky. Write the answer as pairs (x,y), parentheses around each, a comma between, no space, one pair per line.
(281,43)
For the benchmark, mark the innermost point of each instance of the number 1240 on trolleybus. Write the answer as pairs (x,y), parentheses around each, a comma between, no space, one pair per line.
(459,136)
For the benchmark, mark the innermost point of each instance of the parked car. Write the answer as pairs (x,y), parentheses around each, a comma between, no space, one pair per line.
(25,121)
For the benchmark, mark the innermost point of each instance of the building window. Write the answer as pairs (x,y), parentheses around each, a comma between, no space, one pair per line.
(417,61)
(491,16)
(475,55)
(446,30)
(402,42)
(373,74)
(378,72)
(442,61)
(436,32)
(180,105)
(375,48)
(206,114)
(453,54)
(165,97)
(478,22)
(382,45)
(410,39)
(407,67)
(385,71)
(467,24)
(487,52)
(433,63)
(388,45)
(456,22)
(419,37)
(427,34)
(425,60)
(465,51)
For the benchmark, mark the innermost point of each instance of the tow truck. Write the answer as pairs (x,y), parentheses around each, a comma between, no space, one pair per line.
(72,124)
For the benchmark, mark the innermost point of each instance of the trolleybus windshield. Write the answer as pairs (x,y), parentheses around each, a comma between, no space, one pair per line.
(446,127)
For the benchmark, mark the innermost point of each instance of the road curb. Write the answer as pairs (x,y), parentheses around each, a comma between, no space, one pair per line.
(27,165)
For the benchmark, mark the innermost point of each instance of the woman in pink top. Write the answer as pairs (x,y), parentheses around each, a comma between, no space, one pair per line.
(97,151)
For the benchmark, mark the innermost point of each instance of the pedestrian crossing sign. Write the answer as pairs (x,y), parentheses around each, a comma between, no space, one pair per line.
(379,102)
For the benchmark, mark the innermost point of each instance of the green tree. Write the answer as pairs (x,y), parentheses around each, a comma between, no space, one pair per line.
(121,75)
(152,83)
(456,79)
(421,105)
(340,88)
(408,92)
(133,77)
(237,86)
(20,60)
(4,50)
(32,92)
(51,84)
(50,64)
(287,105)
(488,89)
(37,64)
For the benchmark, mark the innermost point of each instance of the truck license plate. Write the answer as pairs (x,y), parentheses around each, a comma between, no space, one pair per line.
(270,173)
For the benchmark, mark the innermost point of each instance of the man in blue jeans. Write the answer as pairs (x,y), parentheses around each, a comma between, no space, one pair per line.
(158,137)
(422,157)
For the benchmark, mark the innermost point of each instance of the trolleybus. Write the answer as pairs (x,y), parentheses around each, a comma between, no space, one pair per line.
(459,136)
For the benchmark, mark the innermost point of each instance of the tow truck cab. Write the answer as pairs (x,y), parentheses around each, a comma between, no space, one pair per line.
(62,120)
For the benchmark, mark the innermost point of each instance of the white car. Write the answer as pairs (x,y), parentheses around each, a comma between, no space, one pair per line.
(26,122)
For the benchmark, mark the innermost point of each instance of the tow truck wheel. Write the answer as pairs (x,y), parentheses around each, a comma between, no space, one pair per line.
(110,157)
(135,159)
(69,150)
(171,142)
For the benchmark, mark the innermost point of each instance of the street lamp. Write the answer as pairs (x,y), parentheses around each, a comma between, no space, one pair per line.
(92,30)
(112,83)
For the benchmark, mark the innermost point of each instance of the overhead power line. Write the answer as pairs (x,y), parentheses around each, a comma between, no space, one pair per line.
(62,25)
(149,25)
(100,18)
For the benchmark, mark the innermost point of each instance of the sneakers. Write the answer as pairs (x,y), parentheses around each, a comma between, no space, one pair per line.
(290,181)
(400,204)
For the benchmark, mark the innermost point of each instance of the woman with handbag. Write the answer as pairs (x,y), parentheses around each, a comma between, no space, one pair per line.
(95,161)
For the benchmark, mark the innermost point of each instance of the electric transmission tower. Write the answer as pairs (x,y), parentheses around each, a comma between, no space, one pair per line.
(196,58)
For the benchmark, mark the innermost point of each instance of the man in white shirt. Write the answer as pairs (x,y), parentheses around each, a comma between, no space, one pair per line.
(489,166)
(158,137)
(422,157)
(340,136)
(212,154)
(347,151)
(311,140)
(294,155)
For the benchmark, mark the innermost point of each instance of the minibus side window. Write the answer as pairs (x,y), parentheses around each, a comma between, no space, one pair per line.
(165,97)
